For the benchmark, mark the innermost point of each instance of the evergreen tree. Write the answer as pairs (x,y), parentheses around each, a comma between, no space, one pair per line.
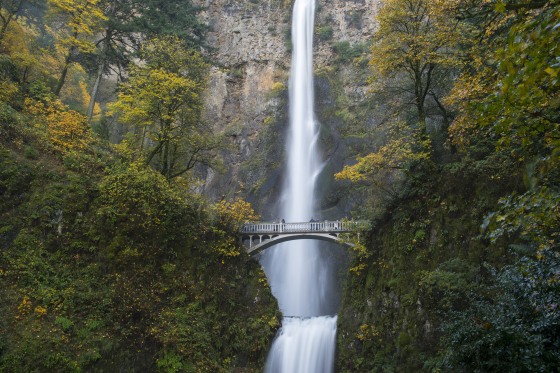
(130,22)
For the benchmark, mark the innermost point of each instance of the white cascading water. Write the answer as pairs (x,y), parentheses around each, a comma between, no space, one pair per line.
(296,271)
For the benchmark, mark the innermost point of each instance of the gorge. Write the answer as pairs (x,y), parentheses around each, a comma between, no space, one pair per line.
(434,122)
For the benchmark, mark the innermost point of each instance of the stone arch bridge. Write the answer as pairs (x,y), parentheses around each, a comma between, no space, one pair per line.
(257,237)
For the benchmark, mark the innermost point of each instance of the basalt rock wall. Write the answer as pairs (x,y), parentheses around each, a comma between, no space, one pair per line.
(247,97)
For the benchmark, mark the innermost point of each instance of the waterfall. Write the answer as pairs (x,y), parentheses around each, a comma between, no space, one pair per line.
(296,270)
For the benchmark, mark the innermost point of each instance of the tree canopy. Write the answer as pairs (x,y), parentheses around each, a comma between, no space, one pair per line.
(162,100)
(467,243)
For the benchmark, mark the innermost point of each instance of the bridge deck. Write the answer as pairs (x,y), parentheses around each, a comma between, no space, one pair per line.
(259,236)
(338,226)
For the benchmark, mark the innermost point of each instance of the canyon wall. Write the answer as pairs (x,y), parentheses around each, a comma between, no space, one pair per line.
(249,43)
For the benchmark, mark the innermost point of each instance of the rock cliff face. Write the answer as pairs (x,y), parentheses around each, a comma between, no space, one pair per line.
(246,99)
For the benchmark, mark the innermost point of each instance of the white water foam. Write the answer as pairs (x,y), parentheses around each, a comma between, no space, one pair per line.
(301,339)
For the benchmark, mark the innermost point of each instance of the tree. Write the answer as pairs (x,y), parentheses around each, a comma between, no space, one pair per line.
(81,19)
(11,10)
(229,216)
(380,174)
(162,101)
(512,325)
(416,51)
(509,105)
(172,18)
(66,129)
(130,22)
(514,102)
(8,11)
(415,46)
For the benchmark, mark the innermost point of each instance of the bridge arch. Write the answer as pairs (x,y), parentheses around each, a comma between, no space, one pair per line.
(257,237)
(268,240)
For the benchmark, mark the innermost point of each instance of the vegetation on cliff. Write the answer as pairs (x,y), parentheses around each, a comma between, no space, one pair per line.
(109,259)
(460,271)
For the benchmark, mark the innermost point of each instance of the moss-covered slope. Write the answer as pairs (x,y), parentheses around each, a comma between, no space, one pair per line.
(106,266)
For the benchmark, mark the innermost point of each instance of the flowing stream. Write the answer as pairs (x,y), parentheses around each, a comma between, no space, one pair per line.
(297,271)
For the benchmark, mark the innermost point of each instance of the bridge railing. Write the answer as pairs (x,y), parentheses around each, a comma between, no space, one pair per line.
(337,226)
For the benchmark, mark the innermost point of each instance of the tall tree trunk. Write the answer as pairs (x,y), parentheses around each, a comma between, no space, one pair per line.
(95,89)
(62,78)
(444,113)
(421,110)
(419,96)
(100,69)
(165,160)
(5,23)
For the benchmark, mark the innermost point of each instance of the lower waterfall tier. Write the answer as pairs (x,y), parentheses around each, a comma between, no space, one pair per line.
(304,345)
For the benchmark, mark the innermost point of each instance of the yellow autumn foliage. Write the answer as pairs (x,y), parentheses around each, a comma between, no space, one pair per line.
(8,90)
(402,149)
(18,44)
(235,212)
(81,18)
(412,34)
(66,129)
(75,92)
(231,215)
(40,311)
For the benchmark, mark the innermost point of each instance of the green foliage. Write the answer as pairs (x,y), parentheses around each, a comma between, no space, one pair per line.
(162,100)
(533,216)
(288,40)
(137,201)
(514,327)
(447,285)
(423,259)
(381,175)
(170,363)
(516,103)
(107,267)
(15,179)
(404,148)
(324,32)
(347,52)
(414,55)
(172,18)
(463,274)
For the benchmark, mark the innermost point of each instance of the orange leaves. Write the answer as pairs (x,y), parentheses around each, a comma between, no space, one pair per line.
(66,129)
